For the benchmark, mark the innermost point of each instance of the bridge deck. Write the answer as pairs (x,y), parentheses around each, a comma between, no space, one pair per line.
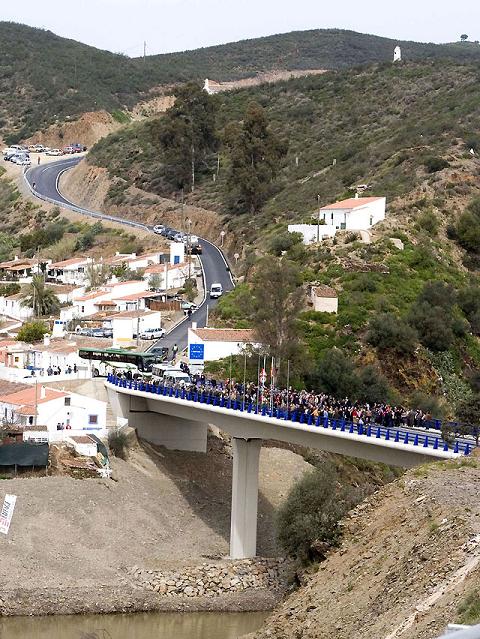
(431,445)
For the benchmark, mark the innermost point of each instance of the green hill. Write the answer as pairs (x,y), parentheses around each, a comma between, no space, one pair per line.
(406,130)
(44,77)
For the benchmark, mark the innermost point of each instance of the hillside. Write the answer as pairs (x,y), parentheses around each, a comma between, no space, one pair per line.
(408,565)
(45,78)
(405,130)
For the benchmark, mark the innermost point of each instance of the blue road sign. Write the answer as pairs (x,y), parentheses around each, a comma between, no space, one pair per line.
(197,352)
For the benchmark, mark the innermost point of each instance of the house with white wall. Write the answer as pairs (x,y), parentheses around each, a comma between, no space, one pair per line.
(53,408)
(168,276)
(71,271)
(128,324)
(219,342)
(324,299)
(353,214)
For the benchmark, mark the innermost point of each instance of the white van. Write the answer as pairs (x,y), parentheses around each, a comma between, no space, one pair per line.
(216,290)
(166,373)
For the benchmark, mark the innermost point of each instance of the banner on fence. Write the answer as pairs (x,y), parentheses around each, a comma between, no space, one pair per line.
(6,513)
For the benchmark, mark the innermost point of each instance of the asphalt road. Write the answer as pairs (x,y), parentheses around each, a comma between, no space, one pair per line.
(45,181)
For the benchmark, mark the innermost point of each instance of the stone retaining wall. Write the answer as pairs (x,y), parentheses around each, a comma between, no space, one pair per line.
(213,580)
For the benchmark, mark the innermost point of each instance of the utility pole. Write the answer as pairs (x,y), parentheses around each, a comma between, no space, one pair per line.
(189,249)
(144,51)
(318,219)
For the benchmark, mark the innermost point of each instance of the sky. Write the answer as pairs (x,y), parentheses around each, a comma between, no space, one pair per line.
(177,25)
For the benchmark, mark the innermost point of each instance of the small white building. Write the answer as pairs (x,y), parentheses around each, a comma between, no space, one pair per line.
(218,343)
(83,445)
(168,276)
(324,299)
(128,324)
(354,214)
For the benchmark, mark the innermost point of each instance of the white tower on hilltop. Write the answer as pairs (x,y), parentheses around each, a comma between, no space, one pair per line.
(397,54)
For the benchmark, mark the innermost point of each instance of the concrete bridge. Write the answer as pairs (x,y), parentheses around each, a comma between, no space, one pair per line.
(179,419)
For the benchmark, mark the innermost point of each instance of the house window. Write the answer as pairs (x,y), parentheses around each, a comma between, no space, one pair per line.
(30,420)
(332,216)
(93,419)
(68,401)
(81,269)
(371,220)
(82,309)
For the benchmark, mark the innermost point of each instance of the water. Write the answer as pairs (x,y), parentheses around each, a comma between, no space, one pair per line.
(196,625)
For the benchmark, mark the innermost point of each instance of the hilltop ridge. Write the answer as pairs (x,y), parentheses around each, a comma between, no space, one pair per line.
(45,78)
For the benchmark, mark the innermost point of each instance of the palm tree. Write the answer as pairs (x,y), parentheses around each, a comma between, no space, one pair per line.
(42,299)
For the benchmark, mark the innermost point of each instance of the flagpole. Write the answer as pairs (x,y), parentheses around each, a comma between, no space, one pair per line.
(244,377)
(258,380)
(288,384)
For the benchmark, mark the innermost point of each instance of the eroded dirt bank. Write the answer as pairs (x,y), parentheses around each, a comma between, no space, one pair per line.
(411,554)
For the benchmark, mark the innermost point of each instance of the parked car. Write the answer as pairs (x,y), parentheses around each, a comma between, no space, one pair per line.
(216,290)
(54,152)
(152,333)
(188,306)
(36,148)
(158,229)
(170,234)
(22,160)
(78,148)
(85,332)
(68,150)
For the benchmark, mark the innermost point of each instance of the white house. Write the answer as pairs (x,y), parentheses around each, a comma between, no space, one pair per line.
(83,445)
(129,323)
(354,214)
(324,299)
(57,410)
(218,342)
(168,276)
(12,306)
(132,302)
(71,271)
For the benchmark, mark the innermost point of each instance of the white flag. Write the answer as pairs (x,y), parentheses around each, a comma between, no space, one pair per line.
(6,513)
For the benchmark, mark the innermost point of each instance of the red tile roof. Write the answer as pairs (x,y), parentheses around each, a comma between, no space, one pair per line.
(69,262)
(351,203)
(245,335)
(325,291)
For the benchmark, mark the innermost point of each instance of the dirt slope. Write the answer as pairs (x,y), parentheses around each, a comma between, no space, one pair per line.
(88,129)
(410,555)
(165,508)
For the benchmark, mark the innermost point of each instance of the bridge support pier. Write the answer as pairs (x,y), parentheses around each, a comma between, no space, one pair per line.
(175,433)
(243,530)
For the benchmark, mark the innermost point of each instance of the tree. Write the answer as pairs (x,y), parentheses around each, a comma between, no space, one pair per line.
(41,299)
(32,332)
(335,374)
(254,153)
(311,513)
(187,134)
(97,275)
(388,332)
(155,282)
(464,37)
(277,302)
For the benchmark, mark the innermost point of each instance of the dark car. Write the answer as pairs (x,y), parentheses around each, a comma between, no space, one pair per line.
(160,351)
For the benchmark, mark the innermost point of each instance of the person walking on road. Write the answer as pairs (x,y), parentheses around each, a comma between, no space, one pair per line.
(174,352)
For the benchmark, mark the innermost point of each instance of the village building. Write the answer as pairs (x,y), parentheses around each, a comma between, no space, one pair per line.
(71,271)
(353,214)
(127,325)
(57,410)
(324,299)
(216,343)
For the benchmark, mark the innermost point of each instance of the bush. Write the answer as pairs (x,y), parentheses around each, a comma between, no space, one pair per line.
(434,164)
(336,374)
(311,514)
(388,332)
(283,242)
(118,443)
(433,325)
(32,332)
(469,609)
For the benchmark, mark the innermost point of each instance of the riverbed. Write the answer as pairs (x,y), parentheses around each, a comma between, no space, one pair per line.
(198,625)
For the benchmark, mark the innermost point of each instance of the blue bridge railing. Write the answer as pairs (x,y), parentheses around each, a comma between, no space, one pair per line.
(393,434)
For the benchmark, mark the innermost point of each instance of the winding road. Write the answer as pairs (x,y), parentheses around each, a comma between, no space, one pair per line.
(44,184)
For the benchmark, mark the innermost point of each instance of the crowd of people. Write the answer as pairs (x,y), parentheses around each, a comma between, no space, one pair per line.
(308,402)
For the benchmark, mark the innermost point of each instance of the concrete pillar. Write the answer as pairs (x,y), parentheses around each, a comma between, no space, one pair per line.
(175,433)
(243,530)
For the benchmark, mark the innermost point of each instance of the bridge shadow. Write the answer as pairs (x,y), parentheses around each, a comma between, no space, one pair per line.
(205,482)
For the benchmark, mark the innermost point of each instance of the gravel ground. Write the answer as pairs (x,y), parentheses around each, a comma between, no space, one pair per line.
(164,508)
